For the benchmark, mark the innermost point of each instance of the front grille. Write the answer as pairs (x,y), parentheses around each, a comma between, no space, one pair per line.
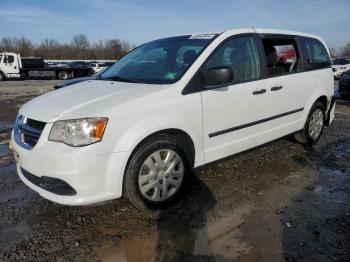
(28,131)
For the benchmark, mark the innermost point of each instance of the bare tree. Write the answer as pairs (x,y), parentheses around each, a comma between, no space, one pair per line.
(333,52)
(346,50)
(80,42)
(79,48)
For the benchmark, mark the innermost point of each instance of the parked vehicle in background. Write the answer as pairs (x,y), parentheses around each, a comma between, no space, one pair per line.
(73,81)
(97,66)
(108,64)
(344,85)
(340,65)
(12,65)
(77,64)
(168,106)
(57,64)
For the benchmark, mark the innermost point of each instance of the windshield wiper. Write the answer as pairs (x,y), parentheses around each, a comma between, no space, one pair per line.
(116,78)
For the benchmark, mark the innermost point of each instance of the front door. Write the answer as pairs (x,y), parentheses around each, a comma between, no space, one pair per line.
(10,64)
(232,114)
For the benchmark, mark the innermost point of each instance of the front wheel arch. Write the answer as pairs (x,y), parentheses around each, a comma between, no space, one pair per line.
(170,131)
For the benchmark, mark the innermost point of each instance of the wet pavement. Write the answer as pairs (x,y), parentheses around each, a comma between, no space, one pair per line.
(282,202)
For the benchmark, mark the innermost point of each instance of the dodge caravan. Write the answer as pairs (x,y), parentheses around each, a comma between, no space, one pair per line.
(169,106)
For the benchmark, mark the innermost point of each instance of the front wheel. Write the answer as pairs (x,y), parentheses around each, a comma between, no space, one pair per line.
(157,171)
(314,125)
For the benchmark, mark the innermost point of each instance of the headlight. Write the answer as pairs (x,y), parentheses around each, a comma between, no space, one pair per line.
(78,132)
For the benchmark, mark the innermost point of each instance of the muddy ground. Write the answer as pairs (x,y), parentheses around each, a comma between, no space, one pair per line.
(282,202)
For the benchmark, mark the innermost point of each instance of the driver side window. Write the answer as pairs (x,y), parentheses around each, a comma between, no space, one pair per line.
(239,53)
(9,59)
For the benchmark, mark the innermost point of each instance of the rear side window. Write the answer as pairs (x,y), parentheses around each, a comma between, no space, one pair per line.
(316,54)
(282,56)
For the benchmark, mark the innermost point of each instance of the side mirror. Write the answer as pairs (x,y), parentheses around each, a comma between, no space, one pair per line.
(216,76)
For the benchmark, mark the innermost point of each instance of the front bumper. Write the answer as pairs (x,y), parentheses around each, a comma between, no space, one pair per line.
(93,177)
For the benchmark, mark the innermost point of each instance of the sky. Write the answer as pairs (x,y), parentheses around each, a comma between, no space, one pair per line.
(140,21)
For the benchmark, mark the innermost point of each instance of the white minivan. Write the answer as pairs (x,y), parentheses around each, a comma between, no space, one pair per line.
(169,106)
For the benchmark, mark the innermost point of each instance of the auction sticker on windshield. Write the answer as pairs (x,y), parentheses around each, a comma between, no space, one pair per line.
(170,75)
(202,36)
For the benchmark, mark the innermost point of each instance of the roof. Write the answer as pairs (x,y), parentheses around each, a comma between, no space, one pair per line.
(272,31)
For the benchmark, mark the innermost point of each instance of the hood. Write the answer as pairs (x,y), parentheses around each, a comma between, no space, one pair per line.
(72,81)
(86,99)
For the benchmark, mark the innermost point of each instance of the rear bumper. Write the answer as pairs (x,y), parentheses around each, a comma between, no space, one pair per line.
(331,111)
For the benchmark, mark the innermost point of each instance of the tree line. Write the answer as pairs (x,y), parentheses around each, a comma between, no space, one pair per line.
(79,48)
(341,52)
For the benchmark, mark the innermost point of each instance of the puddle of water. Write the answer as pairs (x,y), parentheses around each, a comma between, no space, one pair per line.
(138,249)
(220,237)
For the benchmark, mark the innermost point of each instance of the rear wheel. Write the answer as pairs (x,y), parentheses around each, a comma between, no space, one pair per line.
(63,75)
(2,77)
(157,171)
(314,125)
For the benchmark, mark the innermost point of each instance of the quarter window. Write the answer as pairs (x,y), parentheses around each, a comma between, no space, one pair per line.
(241,55)
(317,55)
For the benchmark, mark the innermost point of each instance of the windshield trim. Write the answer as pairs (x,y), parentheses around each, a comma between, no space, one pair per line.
(161,81)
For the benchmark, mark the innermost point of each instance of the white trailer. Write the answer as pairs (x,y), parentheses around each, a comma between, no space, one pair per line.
(13,66)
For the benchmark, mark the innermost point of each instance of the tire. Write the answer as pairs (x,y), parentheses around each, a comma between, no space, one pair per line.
(145,181)
(2,77)
(63,75)
(314,125)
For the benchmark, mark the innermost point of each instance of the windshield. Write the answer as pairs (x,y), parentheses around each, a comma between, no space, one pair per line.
(162,61)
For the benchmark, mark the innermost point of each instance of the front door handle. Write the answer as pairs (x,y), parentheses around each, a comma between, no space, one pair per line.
(259,91)
(275,88)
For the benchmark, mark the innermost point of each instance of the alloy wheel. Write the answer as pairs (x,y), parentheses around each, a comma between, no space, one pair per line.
(161,175)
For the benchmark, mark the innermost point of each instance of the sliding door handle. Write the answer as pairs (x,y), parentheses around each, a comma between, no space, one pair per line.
(275,88)
(259,91)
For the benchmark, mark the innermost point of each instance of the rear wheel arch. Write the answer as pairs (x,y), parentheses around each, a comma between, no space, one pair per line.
(324,100)
(316,97)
